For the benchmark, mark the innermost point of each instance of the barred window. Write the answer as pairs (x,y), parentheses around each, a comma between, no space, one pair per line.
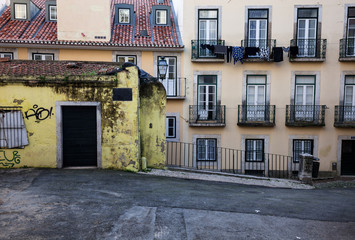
(206,149)
(254,150)
(301,146)
(13,132)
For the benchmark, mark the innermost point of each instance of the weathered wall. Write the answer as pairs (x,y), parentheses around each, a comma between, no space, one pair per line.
(119,120)
(152,122)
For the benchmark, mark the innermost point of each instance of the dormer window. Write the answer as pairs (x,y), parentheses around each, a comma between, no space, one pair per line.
(20,11)
(123,15)
(53,13)
(23,10)
(161,17)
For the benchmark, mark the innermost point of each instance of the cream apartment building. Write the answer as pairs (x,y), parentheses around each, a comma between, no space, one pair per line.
(303,103)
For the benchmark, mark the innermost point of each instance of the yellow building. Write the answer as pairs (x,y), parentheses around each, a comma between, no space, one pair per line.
(291,90)
(72,114)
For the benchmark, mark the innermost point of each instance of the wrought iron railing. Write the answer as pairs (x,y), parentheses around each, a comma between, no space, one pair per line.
(308,48)
(305,115)
(347,48)
(256,115)
(175,88)
(13,132)
(258,48)
(204,49)
(184,155)
(214,114)
(344,116)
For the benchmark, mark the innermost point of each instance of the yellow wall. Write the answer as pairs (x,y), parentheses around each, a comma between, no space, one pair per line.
(119,119)
(153,125)
(85,55)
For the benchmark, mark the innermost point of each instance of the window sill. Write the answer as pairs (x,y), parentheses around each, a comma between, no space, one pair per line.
(345,125)
(207,124)
(256,124)
(175,98)
(347,59)
(207,60)
(306,59)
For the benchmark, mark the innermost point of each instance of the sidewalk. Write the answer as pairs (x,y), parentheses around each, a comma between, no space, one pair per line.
(239,179)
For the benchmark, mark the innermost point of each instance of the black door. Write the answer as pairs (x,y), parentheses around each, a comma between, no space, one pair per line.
(79,136)
(348,157)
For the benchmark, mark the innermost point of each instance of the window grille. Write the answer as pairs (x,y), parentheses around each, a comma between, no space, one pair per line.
(13,132)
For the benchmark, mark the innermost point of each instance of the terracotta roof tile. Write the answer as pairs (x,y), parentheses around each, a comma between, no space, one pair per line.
(39,31)
(52,68)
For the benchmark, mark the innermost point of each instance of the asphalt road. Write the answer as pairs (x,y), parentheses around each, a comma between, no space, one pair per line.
(103,204)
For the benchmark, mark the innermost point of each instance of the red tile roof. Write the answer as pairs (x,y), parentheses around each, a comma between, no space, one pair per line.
(38,31)
(18,68)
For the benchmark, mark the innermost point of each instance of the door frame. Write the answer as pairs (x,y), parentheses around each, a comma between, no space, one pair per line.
(339,152)
(59,118)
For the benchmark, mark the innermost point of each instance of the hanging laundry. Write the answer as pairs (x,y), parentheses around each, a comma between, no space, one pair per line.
(237,54)
(210,47)
(286,49)
(203,46)
(229,54)
(220,49)
(265,53)
(251,51)
(278,54)
(293,51)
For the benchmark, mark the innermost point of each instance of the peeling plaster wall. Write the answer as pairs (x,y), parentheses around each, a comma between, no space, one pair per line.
(153,123)
(119,119)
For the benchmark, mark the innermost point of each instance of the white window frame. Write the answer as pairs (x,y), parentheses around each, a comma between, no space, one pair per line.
(209,153)
(176,116)
(253,149)
(253,165)
(13,133)
(302,150)
(18,11)
(170,84)
(120,11)
(53,12)
(160,18)
(256,42)
(290,149)
(207,163)
(43,56)
(168,127)
(126,58)
(9,55)
(255,111)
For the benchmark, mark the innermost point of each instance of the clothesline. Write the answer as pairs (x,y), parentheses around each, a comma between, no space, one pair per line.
(240,53)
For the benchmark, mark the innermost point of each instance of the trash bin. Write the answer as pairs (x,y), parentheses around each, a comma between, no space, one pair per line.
(315,168)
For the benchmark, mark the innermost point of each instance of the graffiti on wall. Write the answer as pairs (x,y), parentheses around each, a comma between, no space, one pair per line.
(40,113)
(9,162)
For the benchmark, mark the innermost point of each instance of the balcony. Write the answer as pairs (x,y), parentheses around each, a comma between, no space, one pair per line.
(201,51)
(207,116)
(347,50)
(308,50)
(175,88)
(344,116)
(258,50)
(256,115)
(305,115)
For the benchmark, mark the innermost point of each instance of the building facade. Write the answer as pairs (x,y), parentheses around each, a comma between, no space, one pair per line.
(271,77)
(259,76)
